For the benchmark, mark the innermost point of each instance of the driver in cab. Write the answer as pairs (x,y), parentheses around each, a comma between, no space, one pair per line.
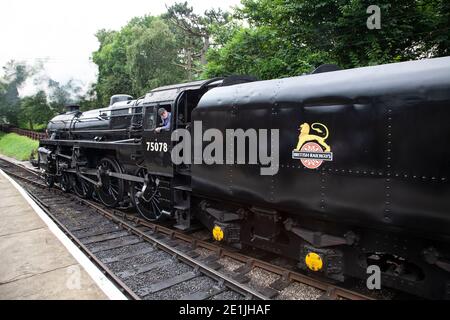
(165,119)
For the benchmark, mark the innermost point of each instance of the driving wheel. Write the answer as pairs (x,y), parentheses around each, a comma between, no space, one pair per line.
(111,191)
(146,199)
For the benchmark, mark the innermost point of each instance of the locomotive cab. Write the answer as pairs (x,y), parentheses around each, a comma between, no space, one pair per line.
(170,181)
(179,100)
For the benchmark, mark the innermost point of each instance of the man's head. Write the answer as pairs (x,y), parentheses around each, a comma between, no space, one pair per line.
(163,113)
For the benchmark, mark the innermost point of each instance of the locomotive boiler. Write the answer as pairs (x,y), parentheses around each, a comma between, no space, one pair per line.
(360,177)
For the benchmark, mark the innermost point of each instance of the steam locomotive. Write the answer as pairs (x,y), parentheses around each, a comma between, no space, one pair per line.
(359,177)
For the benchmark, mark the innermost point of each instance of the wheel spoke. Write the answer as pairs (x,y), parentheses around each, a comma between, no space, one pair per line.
(112,190)
(147,204)
(155,205)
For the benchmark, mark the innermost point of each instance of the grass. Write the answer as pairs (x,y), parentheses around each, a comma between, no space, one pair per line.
(16,146)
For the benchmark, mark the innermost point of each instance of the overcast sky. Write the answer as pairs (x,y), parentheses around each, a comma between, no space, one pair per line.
(61,32)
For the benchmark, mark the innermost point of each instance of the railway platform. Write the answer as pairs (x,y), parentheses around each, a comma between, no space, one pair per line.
(37,260)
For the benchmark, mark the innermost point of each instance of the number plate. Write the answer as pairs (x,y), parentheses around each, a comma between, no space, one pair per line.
(155,146)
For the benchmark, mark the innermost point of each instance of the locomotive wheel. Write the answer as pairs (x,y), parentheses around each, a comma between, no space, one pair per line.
(82,188)
(147,202)
(112,190)
(49,181)
(65,182)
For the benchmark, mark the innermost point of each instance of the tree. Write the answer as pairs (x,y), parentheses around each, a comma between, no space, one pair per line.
(152,58)
(62,94)
(15,75)
(34,110)
(111,60)
(261,53)
(301,34)
(193,34)
(145,42)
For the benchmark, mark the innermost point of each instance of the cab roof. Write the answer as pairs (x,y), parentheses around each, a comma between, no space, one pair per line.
(170,92)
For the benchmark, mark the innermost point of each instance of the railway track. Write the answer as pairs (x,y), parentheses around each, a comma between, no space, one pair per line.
(150,261)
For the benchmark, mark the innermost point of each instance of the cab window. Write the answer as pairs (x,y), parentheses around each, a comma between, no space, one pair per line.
(150,116)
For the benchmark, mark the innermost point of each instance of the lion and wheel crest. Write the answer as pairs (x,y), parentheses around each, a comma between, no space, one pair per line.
(312,149)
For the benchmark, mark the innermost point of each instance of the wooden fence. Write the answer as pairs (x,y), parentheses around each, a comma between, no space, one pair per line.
(28,133)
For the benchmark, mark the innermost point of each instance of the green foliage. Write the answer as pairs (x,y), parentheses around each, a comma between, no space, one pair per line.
(15,74)
(152,58)
(139,57)
(288,37)
(16,146)
(193,34)
(60,95)
(34,110)
(259,52)
(264,38)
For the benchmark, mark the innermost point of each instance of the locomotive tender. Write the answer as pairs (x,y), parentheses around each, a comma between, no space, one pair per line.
(362,176)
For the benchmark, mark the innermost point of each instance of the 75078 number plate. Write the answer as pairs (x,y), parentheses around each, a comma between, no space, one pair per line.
(157,146)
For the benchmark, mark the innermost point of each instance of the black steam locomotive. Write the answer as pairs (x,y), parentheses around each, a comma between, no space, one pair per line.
(355,170)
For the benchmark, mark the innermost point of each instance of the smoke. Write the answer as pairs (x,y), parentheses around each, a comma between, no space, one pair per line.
(19,79)
(22,79)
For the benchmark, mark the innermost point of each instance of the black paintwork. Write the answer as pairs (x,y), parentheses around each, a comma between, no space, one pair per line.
(387,186)
(389,130)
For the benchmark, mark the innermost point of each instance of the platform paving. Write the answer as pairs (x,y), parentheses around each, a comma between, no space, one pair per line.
(34,264)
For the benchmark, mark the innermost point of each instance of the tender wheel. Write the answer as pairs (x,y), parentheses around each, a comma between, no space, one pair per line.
(112,190)
(147,201)
(65,182)
(82,188)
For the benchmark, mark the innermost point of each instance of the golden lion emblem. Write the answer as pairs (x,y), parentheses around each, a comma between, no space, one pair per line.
(306,136)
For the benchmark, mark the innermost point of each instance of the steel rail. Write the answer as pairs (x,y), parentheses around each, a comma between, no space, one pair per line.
(196,264)
(287,275)
(105,270)
(229,282)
